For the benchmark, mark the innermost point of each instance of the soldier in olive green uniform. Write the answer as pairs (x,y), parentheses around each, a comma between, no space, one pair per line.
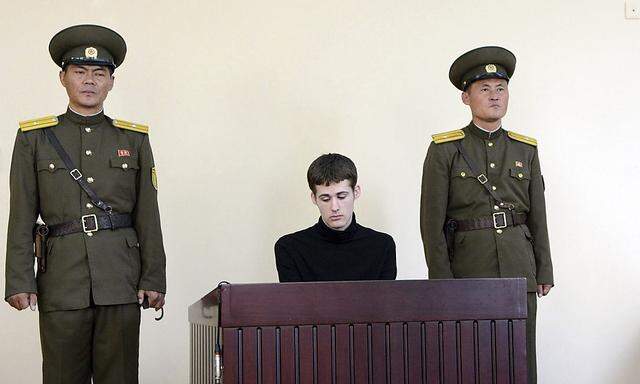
(484,216)
(105,252)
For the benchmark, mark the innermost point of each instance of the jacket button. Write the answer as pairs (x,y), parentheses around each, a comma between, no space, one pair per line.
(493,187)
(492,165)
(52,166)
(89,234)
(89,179)
(89,206)
(87,129)
(499,231)
(520,175)
(463,174)
(88,152)
(490,144)
(125,165)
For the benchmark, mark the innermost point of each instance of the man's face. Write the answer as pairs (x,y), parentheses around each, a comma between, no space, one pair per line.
(87,86)
(488,99)
(335,203)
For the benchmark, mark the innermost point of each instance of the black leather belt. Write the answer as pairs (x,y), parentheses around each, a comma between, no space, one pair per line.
(496,221)
(92,223)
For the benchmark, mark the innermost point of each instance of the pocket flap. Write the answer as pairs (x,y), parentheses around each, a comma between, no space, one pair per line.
(462,172)
(50,165)
(520,173)
(132,239)
(127,162)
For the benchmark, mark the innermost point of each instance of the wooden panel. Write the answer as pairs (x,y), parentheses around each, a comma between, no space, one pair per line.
(360,353)
(325,361)
(287,355)
(503,371)
(249,355)
(378,353)
(520,351)
(230,339)
(306,347)
(414,353)
(485,352)
(467,352)
(433,352)
(269,354)
(342,353)
(449,350)
(351,302)
(396,353)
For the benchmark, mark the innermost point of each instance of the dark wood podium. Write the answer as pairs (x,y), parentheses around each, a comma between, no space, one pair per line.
(414,331)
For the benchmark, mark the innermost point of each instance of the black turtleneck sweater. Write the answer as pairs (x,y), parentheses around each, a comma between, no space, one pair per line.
(320,253)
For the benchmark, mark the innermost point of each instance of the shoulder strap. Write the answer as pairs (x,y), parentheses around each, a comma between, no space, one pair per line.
(482,178)
(445,137)
(75,173)
(123,124)
(523,138)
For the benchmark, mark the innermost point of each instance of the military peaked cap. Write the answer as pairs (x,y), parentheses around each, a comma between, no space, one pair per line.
(88,45)
(482,63)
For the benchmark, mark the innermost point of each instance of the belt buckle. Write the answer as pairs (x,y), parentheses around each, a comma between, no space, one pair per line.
(482,178)
(89,223)
(75,174)
(499,220)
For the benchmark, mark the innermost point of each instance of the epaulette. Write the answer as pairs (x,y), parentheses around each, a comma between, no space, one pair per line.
(41,122)
(523,138)
(130,126)
(444,137)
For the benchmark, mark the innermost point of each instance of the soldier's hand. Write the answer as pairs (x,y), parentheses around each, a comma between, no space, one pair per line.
(543,289)
(21,301)
(156,299)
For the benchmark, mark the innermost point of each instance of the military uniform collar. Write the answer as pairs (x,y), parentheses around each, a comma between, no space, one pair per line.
(481,133)
(84,120)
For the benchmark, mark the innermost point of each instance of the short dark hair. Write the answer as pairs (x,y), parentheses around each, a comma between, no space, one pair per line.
(331,168)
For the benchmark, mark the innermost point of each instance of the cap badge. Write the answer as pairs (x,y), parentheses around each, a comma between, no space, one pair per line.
(519,164)
(91,53)
(490,68)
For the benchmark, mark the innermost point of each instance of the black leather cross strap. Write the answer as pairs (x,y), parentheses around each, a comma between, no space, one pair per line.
(481,177)
(74,172)
(496,221)
(92,223)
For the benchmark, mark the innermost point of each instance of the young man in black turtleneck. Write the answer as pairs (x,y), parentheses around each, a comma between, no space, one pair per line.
(336,248)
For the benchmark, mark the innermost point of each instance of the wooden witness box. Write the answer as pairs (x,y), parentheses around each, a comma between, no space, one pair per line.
(405,332)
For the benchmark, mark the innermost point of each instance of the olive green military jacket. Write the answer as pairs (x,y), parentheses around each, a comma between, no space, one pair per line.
(108,266)
(450,190)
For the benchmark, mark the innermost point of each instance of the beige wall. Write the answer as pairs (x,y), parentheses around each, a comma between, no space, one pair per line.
(241,95)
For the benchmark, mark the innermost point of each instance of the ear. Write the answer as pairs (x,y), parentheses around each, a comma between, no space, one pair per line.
(113,80)
(465,97)
(357,191)
(61,74)
(313,198)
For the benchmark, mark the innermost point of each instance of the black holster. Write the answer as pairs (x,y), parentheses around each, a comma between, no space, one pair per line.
(40,235)
(449,233)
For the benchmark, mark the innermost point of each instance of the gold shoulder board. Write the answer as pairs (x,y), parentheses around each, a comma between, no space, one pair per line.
(444,137)
(41,122)
(523,138)
(130,126)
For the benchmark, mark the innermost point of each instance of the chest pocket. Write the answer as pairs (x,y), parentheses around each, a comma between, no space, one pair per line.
(520,174)
(50,165)
(127,163)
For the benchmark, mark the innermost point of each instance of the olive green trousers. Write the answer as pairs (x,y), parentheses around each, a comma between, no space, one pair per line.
(532,306)
(99,343)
